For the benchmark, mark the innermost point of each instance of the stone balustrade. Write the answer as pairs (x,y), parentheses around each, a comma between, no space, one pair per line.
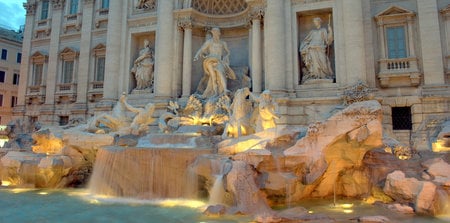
(399,72)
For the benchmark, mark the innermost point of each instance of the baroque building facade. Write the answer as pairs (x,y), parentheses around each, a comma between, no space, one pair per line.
(80,55)
(10,60)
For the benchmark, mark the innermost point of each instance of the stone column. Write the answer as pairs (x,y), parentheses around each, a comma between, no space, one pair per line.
(25,71)
(256,58)
(274,37)
(187,57)
(112,60)
(354,41)
(85,52)
(164,49)
(433,67)
(53,54)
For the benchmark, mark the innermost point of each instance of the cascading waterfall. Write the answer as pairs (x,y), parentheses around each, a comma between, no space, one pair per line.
(217,192)
(144,173)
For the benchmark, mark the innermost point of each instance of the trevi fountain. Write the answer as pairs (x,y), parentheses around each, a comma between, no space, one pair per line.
(219,156)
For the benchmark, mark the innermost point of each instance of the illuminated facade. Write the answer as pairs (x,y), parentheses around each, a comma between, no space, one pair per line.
(78,56)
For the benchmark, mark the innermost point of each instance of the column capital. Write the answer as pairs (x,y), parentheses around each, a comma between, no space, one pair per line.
(30,8)
(58,4)
(185,23)
(257,12)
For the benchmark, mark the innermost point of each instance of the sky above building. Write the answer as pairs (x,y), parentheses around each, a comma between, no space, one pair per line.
(12,14)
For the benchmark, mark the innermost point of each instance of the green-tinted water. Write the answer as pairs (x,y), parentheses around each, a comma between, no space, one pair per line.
(41,206)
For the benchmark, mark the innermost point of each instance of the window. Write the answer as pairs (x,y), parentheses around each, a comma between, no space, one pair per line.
(1,100)
(19,58)
(2,76)
(401,118)
(4,54)
(67,71)
(73,7)
(16,78)
(13,101)
(44,10)
(105,4)
(63,120)
(37,74)
(396,45)
(100,69)
(33,119)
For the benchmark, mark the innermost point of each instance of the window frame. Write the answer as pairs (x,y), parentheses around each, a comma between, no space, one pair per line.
(44,9)
(4,55)
(19,57)
(2,76)
(16,79)
(73,7)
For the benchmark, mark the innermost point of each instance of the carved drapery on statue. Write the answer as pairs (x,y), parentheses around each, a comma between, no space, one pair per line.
(216,66)
(143,67)
(315,50)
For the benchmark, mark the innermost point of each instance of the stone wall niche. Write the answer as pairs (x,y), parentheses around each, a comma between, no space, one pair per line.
(138,50)
(316,47)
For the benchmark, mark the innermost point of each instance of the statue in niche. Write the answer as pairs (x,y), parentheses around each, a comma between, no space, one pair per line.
(143,67)
(314,50)
(216,65)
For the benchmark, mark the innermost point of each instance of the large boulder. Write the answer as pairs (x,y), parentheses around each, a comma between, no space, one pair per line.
(334,148)
(426,196)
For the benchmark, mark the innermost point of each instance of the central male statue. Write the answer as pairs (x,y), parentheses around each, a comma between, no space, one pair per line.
(216,65)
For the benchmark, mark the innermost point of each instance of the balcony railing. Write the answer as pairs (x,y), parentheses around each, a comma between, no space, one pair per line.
(399,72)
(67,87)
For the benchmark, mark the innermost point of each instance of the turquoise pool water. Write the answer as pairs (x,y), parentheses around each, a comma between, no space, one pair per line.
(77,206)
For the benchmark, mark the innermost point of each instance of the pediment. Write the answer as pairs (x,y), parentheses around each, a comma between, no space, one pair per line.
(395,11)
(100,46)
(68,52)
(39,56)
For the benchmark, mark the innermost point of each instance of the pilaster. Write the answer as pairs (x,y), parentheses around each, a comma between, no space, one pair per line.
(53,59)
(164,49)
(85,49)
(430,42)
(354,41)
(186,24)
(112,60)
(274,44)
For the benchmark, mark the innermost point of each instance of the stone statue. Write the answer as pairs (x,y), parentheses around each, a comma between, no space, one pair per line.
(119,121)
(267,111)
(143,67)
(314,49)
(241,110)
(142,118)
(216,65)
(114,121)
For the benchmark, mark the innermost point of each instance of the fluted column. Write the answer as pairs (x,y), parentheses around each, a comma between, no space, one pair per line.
(85,50)
(112,60)
(25,70)
(433,67)
(53,59)
(274,36)
(256,55)
(187,57)
(164,49)
(354,41)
